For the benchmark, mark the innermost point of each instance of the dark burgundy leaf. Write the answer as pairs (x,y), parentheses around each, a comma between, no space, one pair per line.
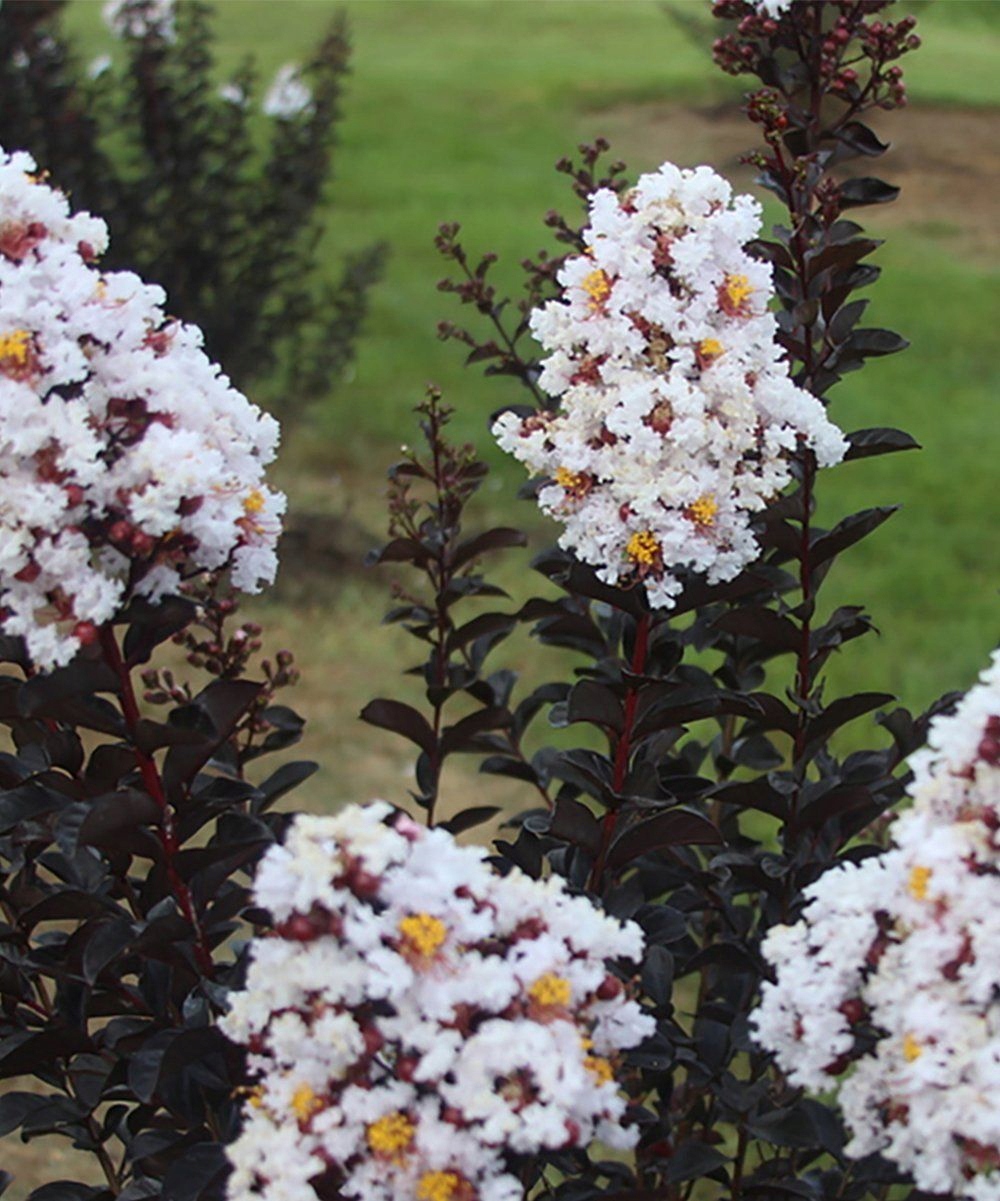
(753,794)
(198,1173)
(847,532)
(109,815)
(836,803)
(658,975)
(104,942)
(872,343)
(676,827)
(776,632)
(592,702)
(149,625)
(866,190)
(505,765)
(843,710)
(399,550)
(788,1127)
(41,692)
(573,822)
(401,719)
(496,539)
(65,1190)
(287,777)
(462,736)
(864,444)
(858,137)
(15,1108)
(693,1161)
(479,627)
(467,819)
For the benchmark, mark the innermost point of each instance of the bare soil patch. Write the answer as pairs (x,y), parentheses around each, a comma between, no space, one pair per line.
(946,160)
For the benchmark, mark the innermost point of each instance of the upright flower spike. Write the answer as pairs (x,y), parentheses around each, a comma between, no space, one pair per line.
(419,1022)
(893,971)
(127,461)
(677,418)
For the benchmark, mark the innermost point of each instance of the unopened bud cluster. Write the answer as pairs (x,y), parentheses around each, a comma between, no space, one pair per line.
(677,419)
(892,975)
(128,461)
(850,39)
(417,1022)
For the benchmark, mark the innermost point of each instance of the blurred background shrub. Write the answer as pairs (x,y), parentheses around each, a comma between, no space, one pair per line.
(216,196)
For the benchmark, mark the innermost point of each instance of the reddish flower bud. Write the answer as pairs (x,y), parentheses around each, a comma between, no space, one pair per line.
(86,633)
(609,988)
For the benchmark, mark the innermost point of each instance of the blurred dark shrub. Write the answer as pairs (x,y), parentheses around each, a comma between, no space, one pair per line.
(216,196)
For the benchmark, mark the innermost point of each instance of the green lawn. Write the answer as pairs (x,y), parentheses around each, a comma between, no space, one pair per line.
(457,109)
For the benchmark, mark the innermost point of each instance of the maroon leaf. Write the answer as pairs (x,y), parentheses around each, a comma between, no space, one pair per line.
(401,719)
(676,827)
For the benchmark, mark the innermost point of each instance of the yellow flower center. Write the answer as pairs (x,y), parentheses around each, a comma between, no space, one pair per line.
(710,348)
(737,289)
(599,1067)
(437,1186)
(305,1103)
(643,548)
(703,511)
(568,479)
(551,989)
(390,1135)
(911,1048)
(598,287)
(15,346)
(253,1093)
(919,879)
(422,933)
(254,501)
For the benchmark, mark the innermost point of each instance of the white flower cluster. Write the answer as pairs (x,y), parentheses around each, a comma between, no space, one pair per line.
(141,18)
(895,969)
(127,461)
(419,1020)
(773,8)
(677,417)
(288,95)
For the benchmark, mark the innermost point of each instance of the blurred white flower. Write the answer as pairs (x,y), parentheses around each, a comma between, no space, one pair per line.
(232,94)
(141,18)
(288,95)
(97,66)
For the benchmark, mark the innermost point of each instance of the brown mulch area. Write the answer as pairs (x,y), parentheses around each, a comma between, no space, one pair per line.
(946,160)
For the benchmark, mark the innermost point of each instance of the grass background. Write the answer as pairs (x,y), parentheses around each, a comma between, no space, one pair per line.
(457,109)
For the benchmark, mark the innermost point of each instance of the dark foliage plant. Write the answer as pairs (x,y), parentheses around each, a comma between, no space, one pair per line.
(228,226)
(126,848)
(720,793)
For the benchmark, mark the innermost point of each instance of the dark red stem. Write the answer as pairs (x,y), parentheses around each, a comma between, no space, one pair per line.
(166,830)
(623,747)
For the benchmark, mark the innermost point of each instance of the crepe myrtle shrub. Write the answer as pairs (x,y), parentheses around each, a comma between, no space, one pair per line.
(709,788)
(128,831)
(214,190)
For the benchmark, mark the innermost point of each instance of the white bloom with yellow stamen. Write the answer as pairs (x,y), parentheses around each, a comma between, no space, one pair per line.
(894,970)
(677,419)
(127,460)
(497,1032)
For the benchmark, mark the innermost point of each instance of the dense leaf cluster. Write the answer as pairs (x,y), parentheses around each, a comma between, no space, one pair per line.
(229,228)
(721,787)
(126,850)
